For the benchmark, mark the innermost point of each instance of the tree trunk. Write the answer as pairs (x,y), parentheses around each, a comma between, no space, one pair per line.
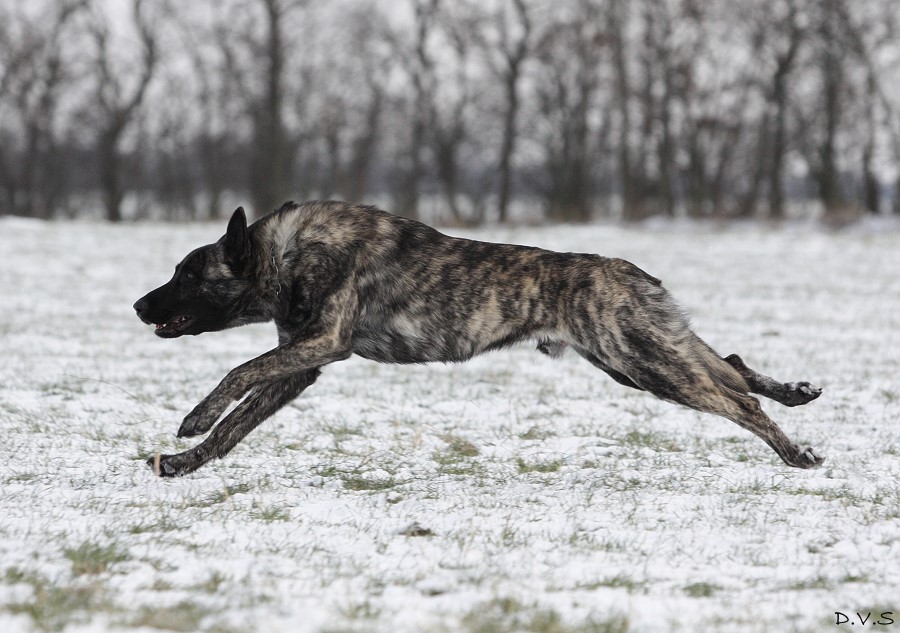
(779,135)
(830,191)
(871,193)
(514,60)
(631,208)
(110,180)
(268,171)
(508,144)
(357,180)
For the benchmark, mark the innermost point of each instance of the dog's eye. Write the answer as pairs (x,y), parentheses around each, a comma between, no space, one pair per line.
(190,276)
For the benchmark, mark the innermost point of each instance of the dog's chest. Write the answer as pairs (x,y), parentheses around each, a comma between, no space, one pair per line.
(399,338)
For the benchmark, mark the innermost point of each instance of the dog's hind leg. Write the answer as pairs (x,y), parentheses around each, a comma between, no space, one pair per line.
(619,377)
(678,376)
(791,394)
(555,349)
(744,410)
(260,404)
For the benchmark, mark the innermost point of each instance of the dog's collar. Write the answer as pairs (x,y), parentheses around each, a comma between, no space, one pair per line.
(277,280)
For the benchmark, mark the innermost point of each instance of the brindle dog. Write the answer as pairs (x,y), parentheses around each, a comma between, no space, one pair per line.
(341,279)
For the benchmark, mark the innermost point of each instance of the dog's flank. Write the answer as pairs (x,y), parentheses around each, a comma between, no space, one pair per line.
(340,279)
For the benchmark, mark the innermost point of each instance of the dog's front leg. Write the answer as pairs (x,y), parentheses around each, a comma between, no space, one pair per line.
(256,407)
(286,360)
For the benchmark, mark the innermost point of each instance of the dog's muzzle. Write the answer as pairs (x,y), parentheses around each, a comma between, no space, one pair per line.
(141,307)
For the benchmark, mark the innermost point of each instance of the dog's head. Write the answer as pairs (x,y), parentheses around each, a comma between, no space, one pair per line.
(208,289)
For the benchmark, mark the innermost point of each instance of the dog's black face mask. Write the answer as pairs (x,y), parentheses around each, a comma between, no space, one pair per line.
(207,290)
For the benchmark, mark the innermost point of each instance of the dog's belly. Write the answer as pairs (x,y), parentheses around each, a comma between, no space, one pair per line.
(394,347)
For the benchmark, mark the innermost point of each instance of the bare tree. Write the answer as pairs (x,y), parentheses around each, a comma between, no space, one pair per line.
(777,41)
(707,106)
(617,19)
(824,116)
(449,111)
(115,102)
(507,36)
(663,63)
(213,43)
(778,97)
(364,146)
(349,102)
(570,53)
(415,59)
(272,150)
(832,73)
(34,76)
(869,31)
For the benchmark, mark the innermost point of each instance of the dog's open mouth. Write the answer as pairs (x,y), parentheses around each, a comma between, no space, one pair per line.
(174,327)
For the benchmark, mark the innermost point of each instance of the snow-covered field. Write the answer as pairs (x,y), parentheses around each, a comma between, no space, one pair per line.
(512,493)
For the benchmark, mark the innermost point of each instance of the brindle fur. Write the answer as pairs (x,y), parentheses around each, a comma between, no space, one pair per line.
(341,279)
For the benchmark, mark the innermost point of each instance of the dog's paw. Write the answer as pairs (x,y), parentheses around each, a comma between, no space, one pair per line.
(197,422)
(807,458)
(165,466)
(169,465)
(800,393)
(809,390)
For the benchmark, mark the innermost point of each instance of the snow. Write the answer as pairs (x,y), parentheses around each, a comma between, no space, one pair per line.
(514,492)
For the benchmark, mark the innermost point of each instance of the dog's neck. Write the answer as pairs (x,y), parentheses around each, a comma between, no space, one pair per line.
(273,287)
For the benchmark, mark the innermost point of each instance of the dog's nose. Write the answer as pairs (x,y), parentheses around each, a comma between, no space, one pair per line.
(141,306)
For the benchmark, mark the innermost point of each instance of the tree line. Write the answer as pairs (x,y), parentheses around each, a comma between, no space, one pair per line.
(458,111)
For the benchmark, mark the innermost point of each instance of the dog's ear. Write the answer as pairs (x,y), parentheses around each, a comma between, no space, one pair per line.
(237,242)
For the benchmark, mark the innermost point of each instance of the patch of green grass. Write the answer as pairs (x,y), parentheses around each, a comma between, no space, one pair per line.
(853,578)
(359,482)
(548,466)
(21,478)
(271,514)
(343,430)
(457,459)
(162,585)
(227,493)
(755,487)
(184,617)
(355,478)
(701,590)
(536,433)
(364,610)
(94,558)
(65,387)
(460,446)
(511,537)
(14,576)
(53,607)
(162,524)
(655,441)
(619,581)
(416,529)
(327,471)
(213,583)
(505,615)
(842,493)
(886,503)
(819,582)
(453,465)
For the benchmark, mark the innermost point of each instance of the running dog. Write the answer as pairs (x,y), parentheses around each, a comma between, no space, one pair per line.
(341,279)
